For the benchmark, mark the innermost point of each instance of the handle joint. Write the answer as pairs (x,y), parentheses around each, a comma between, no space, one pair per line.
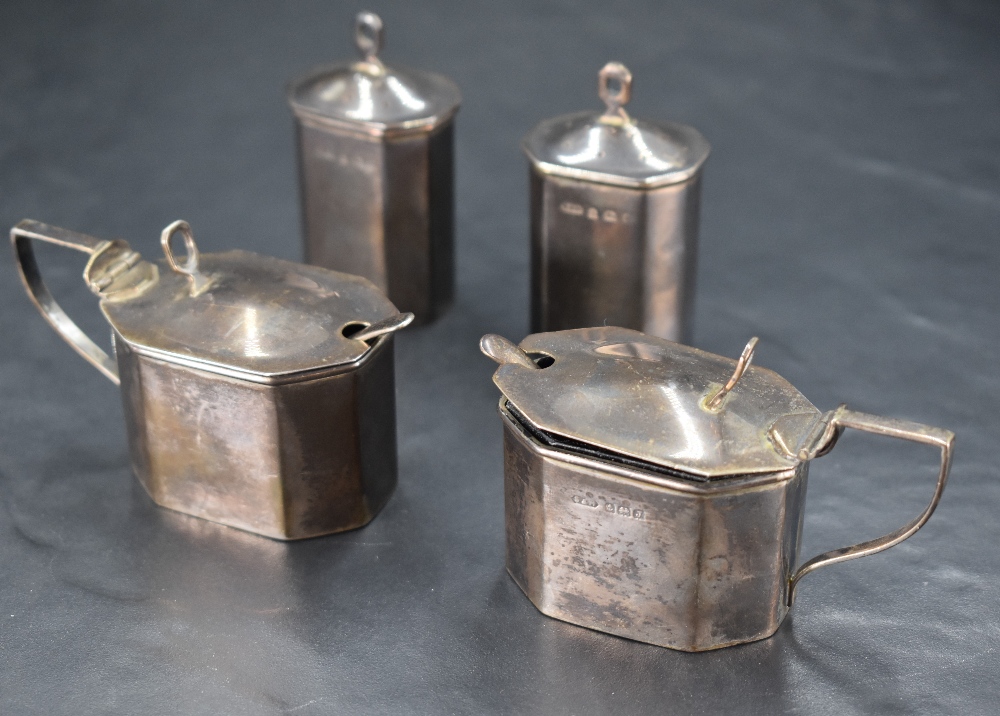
(114,272)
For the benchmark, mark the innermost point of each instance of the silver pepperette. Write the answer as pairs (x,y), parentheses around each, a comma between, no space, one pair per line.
(614,217)
(375,146)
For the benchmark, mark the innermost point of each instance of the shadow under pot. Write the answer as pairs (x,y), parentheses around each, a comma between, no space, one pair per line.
(656,491)
(258,393)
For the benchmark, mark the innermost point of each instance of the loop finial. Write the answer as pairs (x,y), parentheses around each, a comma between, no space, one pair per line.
(746,358)
(190,265)
(614,86)
(368,37)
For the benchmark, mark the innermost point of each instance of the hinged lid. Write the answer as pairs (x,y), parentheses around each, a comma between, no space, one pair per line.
(614,148)
(655,401)
(371,97)
(238,313)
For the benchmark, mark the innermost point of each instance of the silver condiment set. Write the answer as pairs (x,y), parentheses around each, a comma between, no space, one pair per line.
(652,490)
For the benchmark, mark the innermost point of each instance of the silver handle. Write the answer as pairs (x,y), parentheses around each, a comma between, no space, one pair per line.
(831,427)
(20,237)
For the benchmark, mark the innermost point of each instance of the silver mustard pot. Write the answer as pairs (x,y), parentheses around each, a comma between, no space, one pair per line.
(614,217)
(376,167)
(258,393)
(656,491)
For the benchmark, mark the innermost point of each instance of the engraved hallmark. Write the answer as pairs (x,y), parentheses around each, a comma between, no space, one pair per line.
(347,160)
(606,505)
(608,216)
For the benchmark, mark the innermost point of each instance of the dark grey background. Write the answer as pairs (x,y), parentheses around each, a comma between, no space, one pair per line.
(850,219)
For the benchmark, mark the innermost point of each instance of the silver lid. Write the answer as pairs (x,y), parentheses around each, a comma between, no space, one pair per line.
(237,313)
(654,401)
(614,148)
(371,97)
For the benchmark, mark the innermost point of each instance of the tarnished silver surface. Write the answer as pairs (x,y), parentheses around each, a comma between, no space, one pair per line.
(251,395)
(656,491)
(255,316)
(614,217)
(645,397)
(376,169)
(692,569)
(852,201)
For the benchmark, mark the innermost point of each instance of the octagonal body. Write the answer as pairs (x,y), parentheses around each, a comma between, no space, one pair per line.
(613,255)
(657,558)
(287,460)
(381,205)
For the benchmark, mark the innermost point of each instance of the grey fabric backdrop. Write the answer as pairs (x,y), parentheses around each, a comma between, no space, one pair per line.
(850,218)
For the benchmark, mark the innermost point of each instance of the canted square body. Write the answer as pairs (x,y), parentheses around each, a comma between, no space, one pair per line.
(613,255)
(656,558)
(381,206)
(292,459)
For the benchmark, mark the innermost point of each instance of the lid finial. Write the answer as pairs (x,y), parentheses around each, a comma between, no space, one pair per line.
(715,402)
(368,37)
(614,86)
(190,266)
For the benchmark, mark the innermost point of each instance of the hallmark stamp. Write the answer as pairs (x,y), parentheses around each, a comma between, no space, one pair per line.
(608,216)
(588,500)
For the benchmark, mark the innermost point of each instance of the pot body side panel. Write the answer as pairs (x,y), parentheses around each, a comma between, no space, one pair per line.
(382,208)
(420,221)
(686,570)
(442,181)
(343,201)
(286,461)
(338,447)
(749,547)
(611,255)
(671,252)
(203,444)
(523,517)
(587,252)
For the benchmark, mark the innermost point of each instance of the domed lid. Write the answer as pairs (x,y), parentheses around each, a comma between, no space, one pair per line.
(368,96)
(653,401)
(614,148)
(237,313)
